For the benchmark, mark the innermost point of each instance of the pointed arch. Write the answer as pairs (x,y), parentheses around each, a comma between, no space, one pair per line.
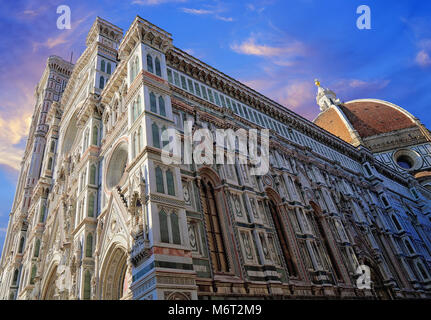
(160,187)
(150,63)
(112,281)
(281,230)
(158,68)
(49,288)
(156,135)
(87,285)
(153,102)
(162,109)
(213,201)
(328,240)
(21,244)
(36,248)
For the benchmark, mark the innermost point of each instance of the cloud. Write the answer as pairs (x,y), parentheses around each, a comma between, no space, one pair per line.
(197,11)
(250,47)
(376,84)
(65,36)
(35,12)
(298,95)
(252,7)
(15,119)
(154,2)
(226,19)
(189,51)
(214,11)
(423,59)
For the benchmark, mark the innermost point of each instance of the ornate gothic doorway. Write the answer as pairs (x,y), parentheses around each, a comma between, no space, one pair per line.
(113,280)
(50,286)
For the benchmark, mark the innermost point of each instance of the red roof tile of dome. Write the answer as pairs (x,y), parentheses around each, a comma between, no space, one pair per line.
(373,117)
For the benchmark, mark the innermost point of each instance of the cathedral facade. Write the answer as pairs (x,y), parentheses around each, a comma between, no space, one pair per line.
(98,215)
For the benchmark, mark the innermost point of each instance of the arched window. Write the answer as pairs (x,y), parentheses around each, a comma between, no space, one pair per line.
(131,70)
(170,183)
(134,111)
(140,139)
(89,246)
(385,201)
(87,285)
(422,270)
(136,66)
(163,222)
(15,277)
(108,68)
(42,213)
(95,137)
(282,238)
(91,201)
(397,224)
(86,140)
(138,105)
(165,135)
(36,248)
(153,103)
(409,246)
(93,175)
(33,273)
(52,149)
(101,82)
(158,69)
(176,238)
(21,245)
(49,163)
(214,230)
(162,106)
(159,181)
(156,135)
(102,65)
(136,143)
(150,63)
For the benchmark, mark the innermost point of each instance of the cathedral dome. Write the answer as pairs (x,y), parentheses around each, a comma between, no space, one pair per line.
(370,117)
(377,124)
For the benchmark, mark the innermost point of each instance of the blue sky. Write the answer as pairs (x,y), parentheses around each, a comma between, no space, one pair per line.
(276,47)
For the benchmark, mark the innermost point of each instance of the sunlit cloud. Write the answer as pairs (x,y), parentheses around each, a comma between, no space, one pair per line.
(196,11)
(254,8)
(298,95)
(285,51)
(34,12)
(65,36)
(376,84)
(189,51)
(213,11)
(423,59)
(154,2)
(226,19)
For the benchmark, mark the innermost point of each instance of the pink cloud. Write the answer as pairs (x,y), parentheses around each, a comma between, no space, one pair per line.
(423,59)
(154,2)
(250,47)
(297,95)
